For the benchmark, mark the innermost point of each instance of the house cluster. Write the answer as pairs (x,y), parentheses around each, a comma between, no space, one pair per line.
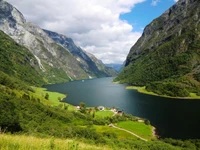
(102,108)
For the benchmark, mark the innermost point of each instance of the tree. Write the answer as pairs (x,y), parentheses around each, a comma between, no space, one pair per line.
(147,122)
(89,110)
(59,99)
(66,107)
(46,96)
(9,118)
(82,107)
(93,115)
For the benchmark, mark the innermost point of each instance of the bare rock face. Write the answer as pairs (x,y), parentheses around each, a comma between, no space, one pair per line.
(171,24)
(88,62)
(168,50)
(56,62)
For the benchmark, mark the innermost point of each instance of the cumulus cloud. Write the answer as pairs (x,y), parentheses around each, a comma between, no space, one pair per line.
(175,0)
(94,25)
(154,2)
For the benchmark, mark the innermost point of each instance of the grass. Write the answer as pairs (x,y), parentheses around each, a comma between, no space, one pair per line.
(141,90)
(22,142)
(194,95)
(120,134)
(144,91)
(103,114)
(139,128)
(54,97)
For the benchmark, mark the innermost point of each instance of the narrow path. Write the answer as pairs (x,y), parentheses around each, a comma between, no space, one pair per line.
(111,125)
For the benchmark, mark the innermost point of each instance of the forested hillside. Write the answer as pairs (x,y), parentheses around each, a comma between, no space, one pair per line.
(166,59)
(18,61)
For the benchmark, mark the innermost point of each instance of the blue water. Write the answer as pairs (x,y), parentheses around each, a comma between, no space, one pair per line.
(175,118)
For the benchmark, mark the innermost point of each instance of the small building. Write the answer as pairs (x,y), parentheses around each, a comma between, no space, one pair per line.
(140,120)
(78,107)
(120,113)
(113,109)
(101,108)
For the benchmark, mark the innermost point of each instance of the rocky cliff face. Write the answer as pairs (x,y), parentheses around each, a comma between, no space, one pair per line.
(88,62)
(168,52)
(56,62)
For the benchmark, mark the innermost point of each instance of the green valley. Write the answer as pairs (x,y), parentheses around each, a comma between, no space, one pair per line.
(30,117)
(165,61)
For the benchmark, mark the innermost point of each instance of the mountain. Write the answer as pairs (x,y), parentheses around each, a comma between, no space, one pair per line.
(166,58)
(88,62)
(117,67)
(56,63)
(17,61)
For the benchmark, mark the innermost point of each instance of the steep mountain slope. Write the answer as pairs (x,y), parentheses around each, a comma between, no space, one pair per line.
(166,59)
(88,62)
(56,63)
(17,61)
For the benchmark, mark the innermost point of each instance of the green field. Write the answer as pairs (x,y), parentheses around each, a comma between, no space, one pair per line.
(140,89)
(139,128)
(54,97)
(119,133)
(144,91)
(103,114)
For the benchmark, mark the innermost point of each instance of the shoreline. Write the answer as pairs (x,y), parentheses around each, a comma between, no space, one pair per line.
(144,91)
(55,98)
(72,107)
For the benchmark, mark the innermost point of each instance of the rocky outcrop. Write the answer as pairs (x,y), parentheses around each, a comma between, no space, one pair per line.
(168,50)
(57,63)
(88,62)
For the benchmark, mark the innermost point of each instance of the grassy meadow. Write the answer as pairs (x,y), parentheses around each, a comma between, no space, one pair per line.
(22,142)
(139,128)
(103,114)
(144,91)
(53,98)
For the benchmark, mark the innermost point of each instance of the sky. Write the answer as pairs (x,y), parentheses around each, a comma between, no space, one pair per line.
(105,28)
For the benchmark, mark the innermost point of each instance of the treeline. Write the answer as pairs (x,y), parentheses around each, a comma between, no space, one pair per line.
(168,88)
(31,117)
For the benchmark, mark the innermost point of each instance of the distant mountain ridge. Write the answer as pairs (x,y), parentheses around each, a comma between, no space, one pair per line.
(87,61)
(56,62)
(166,59)
(117,67)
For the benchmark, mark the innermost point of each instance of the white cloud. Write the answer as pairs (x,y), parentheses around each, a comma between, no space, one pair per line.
(154,2)
(175,0)
(92,24)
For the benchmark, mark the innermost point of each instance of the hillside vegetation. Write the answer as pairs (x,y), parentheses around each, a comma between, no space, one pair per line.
(166,59)
(33,115)
(30,117)
(56,57)
(17,61)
